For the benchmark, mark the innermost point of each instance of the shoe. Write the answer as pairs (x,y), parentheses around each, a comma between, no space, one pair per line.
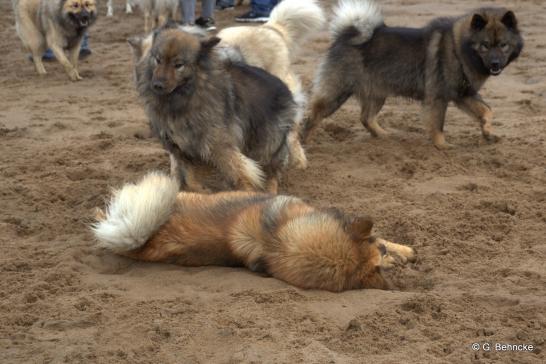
(252,17)
(85,52)
(205,23)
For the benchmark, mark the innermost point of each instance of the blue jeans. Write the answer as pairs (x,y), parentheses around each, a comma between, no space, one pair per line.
(263,7)
(187,7)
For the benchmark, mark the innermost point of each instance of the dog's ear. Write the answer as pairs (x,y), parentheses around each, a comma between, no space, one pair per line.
(136,46)
(478,22)
(360,228)
(509,20)
(206,47)
(208,44)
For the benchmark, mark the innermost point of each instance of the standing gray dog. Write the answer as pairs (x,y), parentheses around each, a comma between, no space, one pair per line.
(448,60)
(212,112)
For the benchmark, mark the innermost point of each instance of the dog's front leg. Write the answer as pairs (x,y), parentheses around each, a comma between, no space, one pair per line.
(434,114)
(184,171)
(74,54)
(405,253)
(478,109)
(240,170)
(54,44)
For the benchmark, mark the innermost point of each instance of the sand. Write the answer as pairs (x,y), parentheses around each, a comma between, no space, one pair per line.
(476,214)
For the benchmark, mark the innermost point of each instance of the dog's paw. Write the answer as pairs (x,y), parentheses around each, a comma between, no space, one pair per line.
(491,138)
(443,146)
(75,76)
(380,133)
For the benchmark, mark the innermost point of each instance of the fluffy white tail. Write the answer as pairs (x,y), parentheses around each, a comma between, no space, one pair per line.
(364,15)
(299,18)
(135,212)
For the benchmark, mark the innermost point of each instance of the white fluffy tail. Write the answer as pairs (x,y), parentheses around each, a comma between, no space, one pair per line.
(136,212)
(299,19)
(364,15)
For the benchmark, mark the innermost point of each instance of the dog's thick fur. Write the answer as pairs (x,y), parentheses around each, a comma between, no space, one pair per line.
(55,24)
(276,235)
(271,47)
(207,111)
(448,60)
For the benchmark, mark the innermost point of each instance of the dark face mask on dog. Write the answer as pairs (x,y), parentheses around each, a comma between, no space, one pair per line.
(82,13)
(495,40)
(175,58)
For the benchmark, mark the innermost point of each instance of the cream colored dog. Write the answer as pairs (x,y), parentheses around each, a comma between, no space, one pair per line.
(272,46)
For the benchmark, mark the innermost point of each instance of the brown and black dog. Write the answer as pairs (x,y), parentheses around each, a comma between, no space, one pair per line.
(55,24)
(208,111)
(448,60)
(280,236)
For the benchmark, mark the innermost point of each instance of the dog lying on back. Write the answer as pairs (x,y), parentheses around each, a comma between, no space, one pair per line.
(276,235)
(55,24)
(448,60)
(228,115)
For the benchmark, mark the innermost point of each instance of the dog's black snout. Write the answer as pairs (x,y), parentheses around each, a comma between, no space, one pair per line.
(84,15)
(158,86)
(495,65)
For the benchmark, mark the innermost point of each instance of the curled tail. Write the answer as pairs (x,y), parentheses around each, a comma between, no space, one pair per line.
(356,20)
(298,18)
(135,212)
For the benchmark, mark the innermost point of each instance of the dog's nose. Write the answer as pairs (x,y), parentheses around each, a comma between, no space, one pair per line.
(495,65)
(158,86)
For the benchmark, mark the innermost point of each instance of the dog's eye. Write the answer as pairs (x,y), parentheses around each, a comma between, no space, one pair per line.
(75,5)
(484,47)
(505,47)
(179,66)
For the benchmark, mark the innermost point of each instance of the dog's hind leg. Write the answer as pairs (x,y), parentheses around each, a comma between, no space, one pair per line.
(369,109)
(434,113)
(328,98)
(34,42)
(185,173)
(110,6)
(478,109)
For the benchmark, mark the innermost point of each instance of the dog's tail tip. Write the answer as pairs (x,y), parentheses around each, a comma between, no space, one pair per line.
(135,212)
(363,15)
(299,18)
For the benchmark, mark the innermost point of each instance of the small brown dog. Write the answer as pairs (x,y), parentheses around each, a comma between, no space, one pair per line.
(448,60)
(276,235)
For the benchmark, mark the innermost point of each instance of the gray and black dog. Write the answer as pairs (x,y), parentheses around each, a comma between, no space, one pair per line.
(213,112)
(448,60)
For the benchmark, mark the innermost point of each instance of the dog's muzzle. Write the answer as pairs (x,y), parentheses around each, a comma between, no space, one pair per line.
(495,68)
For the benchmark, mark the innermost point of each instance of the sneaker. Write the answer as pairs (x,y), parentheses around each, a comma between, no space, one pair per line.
(252,17)
(205,23)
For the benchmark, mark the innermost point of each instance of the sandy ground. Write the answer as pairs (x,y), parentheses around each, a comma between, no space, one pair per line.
(476,215)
